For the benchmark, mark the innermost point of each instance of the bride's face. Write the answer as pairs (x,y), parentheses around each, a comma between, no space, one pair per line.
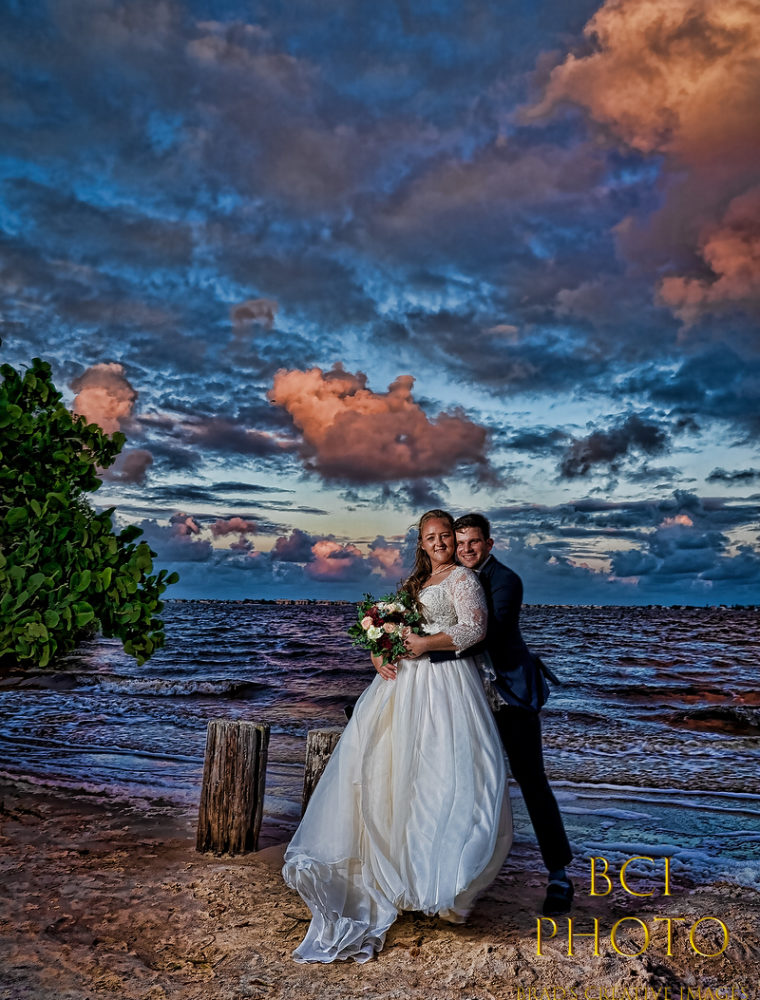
(438,541)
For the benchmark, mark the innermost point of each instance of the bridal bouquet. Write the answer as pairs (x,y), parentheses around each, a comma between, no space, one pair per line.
(379,624)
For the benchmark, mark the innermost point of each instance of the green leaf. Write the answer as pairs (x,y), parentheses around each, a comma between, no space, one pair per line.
(15,517)
(82,618)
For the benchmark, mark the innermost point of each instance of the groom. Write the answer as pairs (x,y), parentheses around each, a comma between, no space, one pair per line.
(521,690)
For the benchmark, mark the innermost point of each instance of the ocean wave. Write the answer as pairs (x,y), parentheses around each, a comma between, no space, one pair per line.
(742,720)
(164,687)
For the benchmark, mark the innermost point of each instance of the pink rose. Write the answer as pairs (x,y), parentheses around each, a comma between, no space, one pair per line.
(366,623)
(389,627)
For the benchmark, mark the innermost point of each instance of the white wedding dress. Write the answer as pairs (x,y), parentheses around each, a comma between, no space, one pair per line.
(412,811)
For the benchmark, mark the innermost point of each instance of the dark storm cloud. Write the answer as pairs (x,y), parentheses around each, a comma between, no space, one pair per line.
(538,440)
(610,516)
(296,547)
(717,384)
(609,447)
(216,434)
(246,488)
(664,475)
(738,476)
(69,226)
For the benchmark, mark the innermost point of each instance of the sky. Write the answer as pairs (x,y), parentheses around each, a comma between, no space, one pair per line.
(329,265)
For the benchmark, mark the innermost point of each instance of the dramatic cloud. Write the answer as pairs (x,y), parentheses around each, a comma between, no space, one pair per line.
(104,396)
(184,524)
(731,250)
(219,434)
(675,549)
(296,547)
(738,476)
(232,526)
(681,80)
(387,559)
(333,561)
(261,311)
(281,190)
(608,447)
(177,541)
(356,435)
(131,466)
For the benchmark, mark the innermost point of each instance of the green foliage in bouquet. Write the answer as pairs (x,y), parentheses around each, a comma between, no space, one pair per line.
(64,573)
(379,624)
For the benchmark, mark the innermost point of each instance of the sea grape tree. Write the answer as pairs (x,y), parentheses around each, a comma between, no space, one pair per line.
(64,571)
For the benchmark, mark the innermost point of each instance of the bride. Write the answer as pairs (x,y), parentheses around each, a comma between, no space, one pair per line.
(412,811)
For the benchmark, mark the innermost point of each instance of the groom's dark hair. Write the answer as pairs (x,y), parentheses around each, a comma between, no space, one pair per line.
(473,521)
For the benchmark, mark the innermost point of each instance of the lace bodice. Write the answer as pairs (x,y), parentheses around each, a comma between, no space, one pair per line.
(456,606)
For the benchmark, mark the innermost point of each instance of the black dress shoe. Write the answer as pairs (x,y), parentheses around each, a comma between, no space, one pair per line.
(559,898)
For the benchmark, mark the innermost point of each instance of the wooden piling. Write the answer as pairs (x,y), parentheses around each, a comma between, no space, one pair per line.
(320,743)
(232,795)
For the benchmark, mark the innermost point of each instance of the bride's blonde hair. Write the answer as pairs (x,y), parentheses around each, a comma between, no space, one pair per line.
(422,565)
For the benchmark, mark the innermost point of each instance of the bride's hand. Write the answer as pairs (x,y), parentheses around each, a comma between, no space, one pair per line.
(415,644)
(387,671)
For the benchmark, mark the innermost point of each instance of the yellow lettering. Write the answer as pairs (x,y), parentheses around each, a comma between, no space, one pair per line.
(538,932)
(594,934)
(669,922)
(638,857)
(601,874)
(629,954)
(708,954)
(667,877)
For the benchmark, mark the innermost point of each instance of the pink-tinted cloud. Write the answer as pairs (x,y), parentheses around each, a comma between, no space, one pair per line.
(261,311)
(682,80)
(683,519)
(232,526)
(131,466)
(177,541)
(243,544)
(354,434)
(680,77)
(333,561)
(184,524)
(104,396)
(731,249)
(386,559)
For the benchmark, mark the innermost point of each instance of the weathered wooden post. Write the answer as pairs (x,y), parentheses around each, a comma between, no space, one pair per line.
(232,795)
(320,743)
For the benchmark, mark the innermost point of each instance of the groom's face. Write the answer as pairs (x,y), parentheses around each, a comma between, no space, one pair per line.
(472,548)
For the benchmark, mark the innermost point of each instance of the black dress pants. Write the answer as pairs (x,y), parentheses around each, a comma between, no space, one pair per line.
(520,731)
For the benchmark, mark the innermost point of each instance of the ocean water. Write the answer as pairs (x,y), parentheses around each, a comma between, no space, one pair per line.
(652,741)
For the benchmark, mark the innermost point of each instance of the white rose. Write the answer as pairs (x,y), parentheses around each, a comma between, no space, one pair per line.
(374,632)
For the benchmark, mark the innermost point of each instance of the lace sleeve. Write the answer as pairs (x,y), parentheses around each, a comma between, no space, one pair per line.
(470,604)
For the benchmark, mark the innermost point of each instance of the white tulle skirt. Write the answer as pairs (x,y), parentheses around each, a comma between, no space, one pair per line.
(411,813)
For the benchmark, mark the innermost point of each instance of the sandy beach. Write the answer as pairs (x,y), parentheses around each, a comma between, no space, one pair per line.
(97,901)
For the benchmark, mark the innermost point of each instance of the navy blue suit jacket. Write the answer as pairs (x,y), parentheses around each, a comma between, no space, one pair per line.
(519,678)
